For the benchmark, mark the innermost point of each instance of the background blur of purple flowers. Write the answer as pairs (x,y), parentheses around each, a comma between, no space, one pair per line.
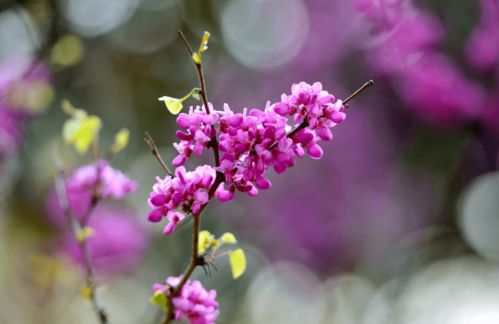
(400,210)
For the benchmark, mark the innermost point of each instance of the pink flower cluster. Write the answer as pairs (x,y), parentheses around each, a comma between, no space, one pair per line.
(250,143)
(482,48)
(119,240)
(193,302)
(18,75)
(186,191)
(404,46)
(118,243)
(109,182)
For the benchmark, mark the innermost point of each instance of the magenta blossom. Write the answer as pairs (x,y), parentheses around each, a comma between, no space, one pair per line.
(185,191)
(25,88)
(107,181)
(483,46)
(198,127)
(118,241)
(193,303)
(250,143)
(85,183)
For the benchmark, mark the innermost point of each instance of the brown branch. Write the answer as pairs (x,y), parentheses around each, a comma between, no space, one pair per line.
(155,152)
(76,227)
(195,259)
(204,96)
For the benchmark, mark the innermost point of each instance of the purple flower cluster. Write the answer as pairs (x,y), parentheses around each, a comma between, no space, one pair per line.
(199,129)
(109,182)
(25,87)
(193,303)
(404,46)
(119,240)
(185,191)
(482,48)
(250,143)
(118,243)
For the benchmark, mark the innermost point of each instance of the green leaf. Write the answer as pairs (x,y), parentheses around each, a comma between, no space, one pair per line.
(81,129)
(120,140)
(67,51)
(196,93)
(228,238)
(237,260)
(159,298)
(173,105)
(196,58)
(204,43)
(203,241)
(84,233)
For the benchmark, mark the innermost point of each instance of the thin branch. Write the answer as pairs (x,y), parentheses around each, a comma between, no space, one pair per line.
(76,227)
(204,96)
(195,259)
(194,262)
(304,123)
(186,43)
(154,150)
(358,91)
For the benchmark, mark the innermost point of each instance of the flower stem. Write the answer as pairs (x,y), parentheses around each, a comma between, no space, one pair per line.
(76,227)
(195,259)
(155,152)
(204,96)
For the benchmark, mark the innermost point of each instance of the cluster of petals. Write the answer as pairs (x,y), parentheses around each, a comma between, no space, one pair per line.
(175,195)
(82,185)
(404,42)
(482,52)
(193,303)
(117,244)
(100,177)
(250,143)
(25,87)
(197,134)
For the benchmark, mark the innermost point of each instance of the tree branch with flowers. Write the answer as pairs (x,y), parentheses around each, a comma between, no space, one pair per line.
(245,147)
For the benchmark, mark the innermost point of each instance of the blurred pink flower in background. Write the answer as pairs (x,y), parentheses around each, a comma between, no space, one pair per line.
(118,243)
(25,90)
(80,186)
(119,239)
(482,48)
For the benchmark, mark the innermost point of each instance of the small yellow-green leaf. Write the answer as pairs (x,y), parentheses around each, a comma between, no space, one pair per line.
(196,93)
(159,298)
(204,43)
(86,292)
(228,238)
(84,233)
(196,58)
(120,140)
(173,105)
(81,129)
(85,134)
(67,51)
(203,241)
(237,260)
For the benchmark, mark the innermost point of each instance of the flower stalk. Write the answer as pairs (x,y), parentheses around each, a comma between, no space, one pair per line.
(77,228)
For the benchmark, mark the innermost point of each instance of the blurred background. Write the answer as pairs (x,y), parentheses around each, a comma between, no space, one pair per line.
(398,223)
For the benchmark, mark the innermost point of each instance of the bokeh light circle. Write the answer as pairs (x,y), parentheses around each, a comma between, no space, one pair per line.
(95,17)
(479,215)
(261,35)
(17,34)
